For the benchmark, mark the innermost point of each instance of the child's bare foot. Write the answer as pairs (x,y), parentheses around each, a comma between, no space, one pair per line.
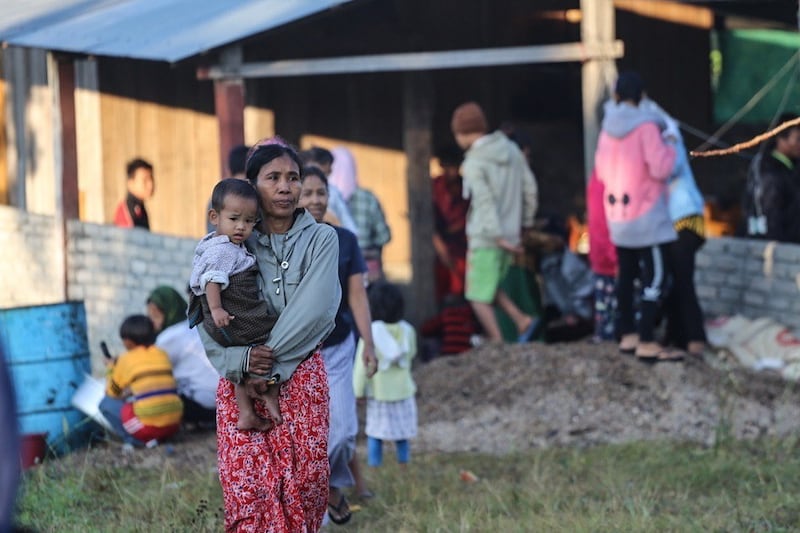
(250,420)
(273,408)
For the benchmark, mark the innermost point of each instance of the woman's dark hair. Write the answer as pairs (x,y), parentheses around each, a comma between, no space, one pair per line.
(265,153)
(139,330)
(232,186)
(316,155)
(385,302)
(314,170)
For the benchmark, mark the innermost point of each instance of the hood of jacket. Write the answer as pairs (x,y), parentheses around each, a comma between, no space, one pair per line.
(344,175)
(494,148)
(302,220)
(620,119)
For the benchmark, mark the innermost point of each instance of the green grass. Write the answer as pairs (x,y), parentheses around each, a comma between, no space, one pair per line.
(641,487)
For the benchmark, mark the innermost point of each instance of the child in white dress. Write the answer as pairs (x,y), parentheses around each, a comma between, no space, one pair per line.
(391,406)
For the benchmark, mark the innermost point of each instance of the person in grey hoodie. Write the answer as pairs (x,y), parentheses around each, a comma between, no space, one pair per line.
(633,162)
(277,480)
(503,200)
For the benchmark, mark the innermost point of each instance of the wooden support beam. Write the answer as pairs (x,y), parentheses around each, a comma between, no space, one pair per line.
(70,199)
(517,55)
(418,98)
(675,12)
(229,107)
(597,74)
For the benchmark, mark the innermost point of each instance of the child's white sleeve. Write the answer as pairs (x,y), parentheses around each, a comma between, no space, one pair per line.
(360,372)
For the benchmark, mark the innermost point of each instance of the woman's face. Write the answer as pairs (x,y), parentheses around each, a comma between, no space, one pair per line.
(314,197)
(278,184)
(156,316)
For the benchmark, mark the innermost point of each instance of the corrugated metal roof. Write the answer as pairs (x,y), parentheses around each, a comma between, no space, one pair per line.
(160,30)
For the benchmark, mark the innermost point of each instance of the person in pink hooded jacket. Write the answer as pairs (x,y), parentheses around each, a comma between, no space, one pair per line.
(634,163)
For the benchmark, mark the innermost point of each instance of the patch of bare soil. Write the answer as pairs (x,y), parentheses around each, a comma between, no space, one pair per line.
(498,399)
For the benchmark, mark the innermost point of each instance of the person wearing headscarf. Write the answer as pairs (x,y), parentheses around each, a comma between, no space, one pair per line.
(197,379)
(373,232)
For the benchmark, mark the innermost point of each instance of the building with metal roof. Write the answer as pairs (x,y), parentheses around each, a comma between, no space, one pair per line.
(163,30)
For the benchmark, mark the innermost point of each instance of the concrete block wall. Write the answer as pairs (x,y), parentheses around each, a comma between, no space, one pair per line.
(754,278)
(114,269)
(31,271)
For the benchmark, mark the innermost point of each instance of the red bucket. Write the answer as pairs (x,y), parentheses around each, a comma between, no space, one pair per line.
(33,449)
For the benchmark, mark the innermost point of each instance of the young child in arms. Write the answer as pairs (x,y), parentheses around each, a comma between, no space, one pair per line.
(225,294)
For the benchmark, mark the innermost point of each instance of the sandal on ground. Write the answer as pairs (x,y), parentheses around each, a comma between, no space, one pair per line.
(664,355)
(340,513)
(628,343)
(671,355)
(530,332)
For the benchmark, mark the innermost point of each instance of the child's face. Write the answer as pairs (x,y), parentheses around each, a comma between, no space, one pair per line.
(141,184)
(236,219)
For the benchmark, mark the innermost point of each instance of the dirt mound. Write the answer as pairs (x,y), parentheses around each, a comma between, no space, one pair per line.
(498,399)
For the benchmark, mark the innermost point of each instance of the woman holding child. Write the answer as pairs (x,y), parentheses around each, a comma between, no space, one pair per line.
(277,480)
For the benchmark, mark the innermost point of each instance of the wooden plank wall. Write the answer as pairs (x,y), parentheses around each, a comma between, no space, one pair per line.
(170,122)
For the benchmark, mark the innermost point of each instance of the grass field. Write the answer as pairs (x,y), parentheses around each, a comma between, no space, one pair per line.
(641,487)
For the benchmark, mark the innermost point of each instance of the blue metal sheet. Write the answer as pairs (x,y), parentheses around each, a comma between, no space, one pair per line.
(44,333)
(165,30)
(48,386)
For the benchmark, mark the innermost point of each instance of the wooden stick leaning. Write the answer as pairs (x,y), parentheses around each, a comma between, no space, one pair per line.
(748,144)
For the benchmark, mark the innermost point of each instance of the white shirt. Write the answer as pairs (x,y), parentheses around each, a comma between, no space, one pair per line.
(196,377)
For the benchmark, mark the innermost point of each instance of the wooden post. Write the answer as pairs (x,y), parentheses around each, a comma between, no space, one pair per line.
(229,106)
(69,143)
(597,27)
(418,96)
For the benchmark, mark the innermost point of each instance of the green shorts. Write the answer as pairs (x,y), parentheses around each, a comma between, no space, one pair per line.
(486,268)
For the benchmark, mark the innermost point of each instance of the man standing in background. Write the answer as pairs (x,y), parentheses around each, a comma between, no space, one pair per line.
(503,195)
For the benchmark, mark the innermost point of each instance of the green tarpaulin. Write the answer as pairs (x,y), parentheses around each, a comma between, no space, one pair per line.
(750,58)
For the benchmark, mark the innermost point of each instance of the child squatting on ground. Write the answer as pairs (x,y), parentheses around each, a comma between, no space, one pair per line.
(141,402)
(391,407)
(225,295)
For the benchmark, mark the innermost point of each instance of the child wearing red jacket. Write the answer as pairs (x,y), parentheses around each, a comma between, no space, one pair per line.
(602,261)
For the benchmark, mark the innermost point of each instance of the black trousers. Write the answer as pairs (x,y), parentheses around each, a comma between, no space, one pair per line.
(684,316)
(649,265)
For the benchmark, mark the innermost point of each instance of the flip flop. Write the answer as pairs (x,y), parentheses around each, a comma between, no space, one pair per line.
(339,514)
(530,332)
(647,358)
(671,356)
(665,355)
